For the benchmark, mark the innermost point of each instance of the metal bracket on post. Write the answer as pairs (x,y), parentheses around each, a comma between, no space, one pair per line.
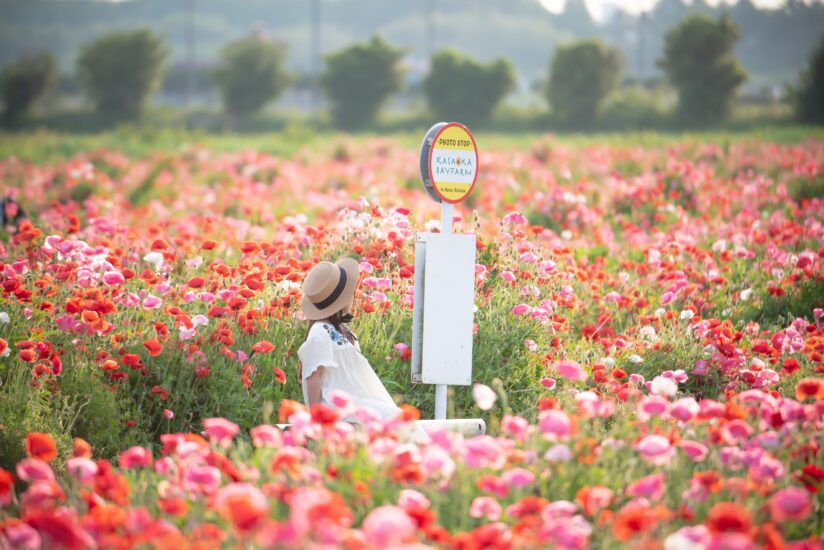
(417,307)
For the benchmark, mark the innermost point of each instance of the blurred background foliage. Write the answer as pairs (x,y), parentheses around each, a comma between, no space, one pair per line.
(391,65)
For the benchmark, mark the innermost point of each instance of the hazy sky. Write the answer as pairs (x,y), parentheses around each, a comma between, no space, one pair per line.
(599,8)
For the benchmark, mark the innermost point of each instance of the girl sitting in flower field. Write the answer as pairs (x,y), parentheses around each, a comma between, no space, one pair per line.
(330,358)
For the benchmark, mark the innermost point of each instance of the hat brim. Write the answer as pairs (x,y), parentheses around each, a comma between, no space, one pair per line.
(346,298)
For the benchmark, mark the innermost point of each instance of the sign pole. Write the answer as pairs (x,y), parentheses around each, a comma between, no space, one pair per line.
(440,389)
(442,329)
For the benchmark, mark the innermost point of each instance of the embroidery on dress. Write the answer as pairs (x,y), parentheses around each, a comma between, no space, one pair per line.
(336,336)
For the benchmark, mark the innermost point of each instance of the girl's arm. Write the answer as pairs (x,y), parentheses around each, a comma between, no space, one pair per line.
(313,387)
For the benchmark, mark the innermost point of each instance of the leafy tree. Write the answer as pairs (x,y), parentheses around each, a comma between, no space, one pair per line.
(581,75)
(24,82)
(359,79)
(120,70)
(698,61)
(250,73)
(809,97)
(461,89)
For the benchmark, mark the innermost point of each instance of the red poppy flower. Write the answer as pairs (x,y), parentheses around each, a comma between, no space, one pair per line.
(728,517)
(264,346)
(280,376)
(323,414)
(196,282)
(208,244)
(809,388)
(41,445)
(161,392)
(153,346)
(6,484)
(132,360)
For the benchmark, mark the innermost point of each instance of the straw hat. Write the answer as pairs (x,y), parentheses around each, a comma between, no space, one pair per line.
(329,287)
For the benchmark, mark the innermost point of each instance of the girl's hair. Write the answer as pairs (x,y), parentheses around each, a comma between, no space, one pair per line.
(336,321)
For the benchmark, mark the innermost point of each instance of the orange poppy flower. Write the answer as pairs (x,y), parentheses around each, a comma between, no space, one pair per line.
(41,445)
(81,448)
(289,407)
(809,388)
(153,346)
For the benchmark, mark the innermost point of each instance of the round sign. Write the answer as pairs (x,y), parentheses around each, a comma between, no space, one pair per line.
(449,162)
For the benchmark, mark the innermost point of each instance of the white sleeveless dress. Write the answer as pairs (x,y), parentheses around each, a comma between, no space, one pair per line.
(342,367)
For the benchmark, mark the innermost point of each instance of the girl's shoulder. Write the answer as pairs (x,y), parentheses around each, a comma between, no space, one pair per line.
(327,330)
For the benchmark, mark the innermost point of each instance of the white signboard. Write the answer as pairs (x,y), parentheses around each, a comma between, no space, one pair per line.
(449,292)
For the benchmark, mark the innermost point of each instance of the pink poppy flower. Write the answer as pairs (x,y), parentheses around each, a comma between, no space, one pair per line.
(792,504)
(685,409)
(410,498)
(554,424)
(113,278)
(485,507)
(34,469)
(651,406)
(21,536)
(651,487)
(387,526)
(559,509)
(151,302)
(265,435)
(135,457)
(735,431)
(696,451)
(508,276)
(518,477)
(203,480)
(548,383)
(515,426)
(547,266)
(81,468)
(655,449)
(570,370)
(521,309)
(515,218)
(220,430)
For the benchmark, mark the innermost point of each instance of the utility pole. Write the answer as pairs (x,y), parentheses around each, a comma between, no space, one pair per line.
(641,46)
(430,29)
(189,32)
(315,62)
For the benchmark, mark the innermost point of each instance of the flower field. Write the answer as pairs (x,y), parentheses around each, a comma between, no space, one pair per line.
(648,354)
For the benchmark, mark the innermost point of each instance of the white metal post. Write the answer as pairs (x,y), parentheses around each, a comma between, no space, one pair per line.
(440,389)
(446,218)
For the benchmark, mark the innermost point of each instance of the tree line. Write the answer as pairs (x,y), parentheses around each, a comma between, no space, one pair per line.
(119,71)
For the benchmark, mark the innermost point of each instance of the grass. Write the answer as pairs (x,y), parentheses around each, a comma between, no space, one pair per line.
(141,141)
